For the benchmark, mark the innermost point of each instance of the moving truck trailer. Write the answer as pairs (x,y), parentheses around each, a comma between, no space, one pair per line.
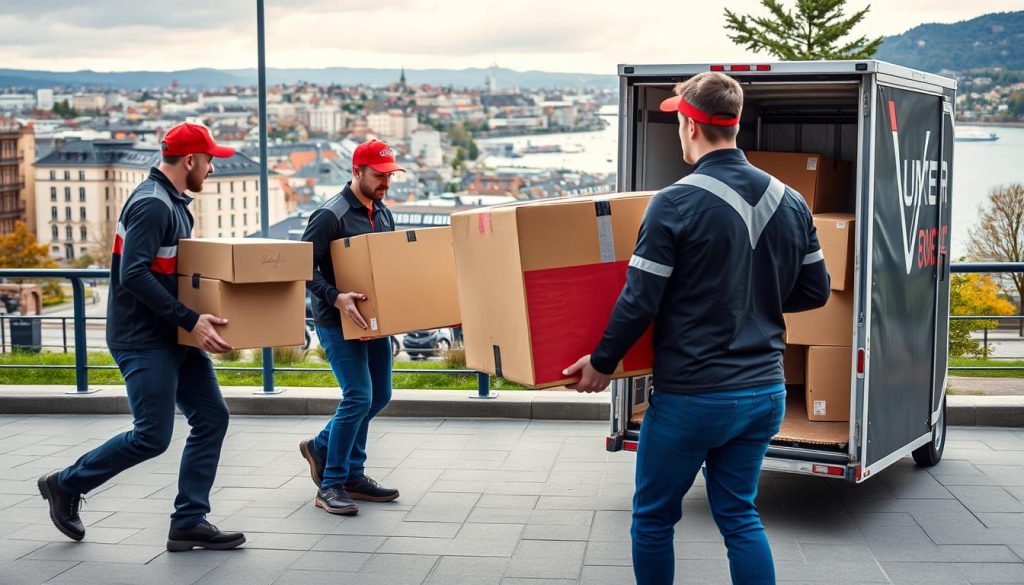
(892,129)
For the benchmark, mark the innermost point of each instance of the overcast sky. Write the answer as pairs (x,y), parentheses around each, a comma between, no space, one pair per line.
(589,36)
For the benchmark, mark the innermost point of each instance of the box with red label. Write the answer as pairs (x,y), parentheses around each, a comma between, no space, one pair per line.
(537,282)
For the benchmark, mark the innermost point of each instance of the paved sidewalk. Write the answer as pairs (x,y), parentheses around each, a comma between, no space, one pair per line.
(497,502)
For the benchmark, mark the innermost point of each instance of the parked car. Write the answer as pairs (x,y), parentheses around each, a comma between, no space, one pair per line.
(428,342)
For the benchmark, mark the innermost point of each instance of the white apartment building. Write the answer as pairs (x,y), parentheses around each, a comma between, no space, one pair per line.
(392,125)
(81,187)
(328,118)
(425,143)
(44,99)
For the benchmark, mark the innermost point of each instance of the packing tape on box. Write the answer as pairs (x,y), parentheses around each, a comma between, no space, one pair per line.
(348,242)
(410,235)
(483,223)
(497,361)
(605,235)
(196,280)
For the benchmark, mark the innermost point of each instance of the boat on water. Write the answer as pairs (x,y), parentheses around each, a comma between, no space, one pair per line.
(974,135)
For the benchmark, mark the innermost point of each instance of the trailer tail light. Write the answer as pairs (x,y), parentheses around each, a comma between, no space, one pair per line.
(860,362)
(741,68)
(832,470)
(629,446)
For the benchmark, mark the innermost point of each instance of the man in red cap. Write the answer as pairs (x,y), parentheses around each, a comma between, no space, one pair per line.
(721,254)
(143,316)
(337,456)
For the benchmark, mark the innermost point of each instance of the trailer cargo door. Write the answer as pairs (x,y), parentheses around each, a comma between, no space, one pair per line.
(908,128)
(941,268)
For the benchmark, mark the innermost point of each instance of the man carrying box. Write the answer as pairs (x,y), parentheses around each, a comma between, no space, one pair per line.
(143,316)
(720,256)
(337,455)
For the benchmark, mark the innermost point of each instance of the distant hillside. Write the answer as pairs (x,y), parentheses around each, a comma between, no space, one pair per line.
(992,40)
(217,78)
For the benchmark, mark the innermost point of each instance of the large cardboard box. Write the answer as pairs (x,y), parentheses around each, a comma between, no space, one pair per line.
(267,314)
(794,364)
(836,236)
(246,260)
(408,278)
(823,182)
(829,325)
(828,383)
(538,281)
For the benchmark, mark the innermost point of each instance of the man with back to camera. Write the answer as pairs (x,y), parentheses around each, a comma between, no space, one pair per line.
(143,316)
(721,255)
(337,455)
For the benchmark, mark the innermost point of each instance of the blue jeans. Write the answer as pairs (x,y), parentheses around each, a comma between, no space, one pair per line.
(157,380)
(363,370)
(727,432)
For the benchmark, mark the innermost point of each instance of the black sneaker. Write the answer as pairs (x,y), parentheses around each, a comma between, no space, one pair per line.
(202,535)
(63,506)
(366,488)
(316,465)
(336,501)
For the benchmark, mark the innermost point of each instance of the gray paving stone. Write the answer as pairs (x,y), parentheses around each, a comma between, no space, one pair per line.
(491,502)
(90,551)
(541,559)
(348,543)
(103,573)
(29,572)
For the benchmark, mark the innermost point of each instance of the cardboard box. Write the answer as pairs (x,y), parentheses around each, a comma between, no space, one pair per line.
(538,281)
(246,260)
(267,314)
(408,278)
(794,364)
(836,236)
(823,182)
(829,375)
(829,325)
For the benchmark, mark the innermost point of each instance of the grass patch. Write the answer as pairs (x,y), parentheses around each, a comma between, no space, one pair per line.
(431,381)
(977,362)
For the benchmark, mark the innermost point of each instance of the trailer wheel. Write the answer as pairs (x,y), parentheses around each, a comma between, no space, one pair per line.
(931,453)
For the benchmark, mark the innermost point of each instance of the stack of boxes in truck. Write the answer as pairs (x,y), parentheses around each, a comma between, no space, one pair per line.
(407,276)
(258,285)
(538,281)
(818,343)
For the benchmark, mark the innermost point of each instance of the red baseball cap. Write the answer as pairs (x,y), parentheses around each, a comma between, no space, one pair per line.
(188,138)
(377,155)
(678,104)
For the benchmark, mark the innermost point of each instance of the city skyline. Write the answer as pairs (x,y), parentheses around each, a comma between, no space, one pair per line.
(578,37)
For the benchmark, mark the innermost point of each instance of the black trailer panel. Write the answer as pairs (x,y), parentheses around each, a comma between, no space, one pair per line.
(908,185)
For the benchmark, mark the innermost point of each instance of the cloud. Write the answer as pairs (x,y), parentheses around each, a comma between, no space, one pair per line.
(567,35)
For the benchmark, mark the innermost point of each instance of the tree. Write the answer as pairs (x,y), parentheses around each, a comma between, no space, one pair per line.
(813,31)
(973,294)
(998,236)
(20,249)
(64,110)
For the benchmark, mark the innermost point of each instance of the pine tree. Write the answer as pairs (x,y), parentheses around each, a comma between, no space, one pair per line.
(813,31)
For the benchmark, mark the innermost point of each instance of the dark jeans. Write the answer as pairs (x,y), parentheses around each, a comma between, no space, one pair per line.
(157,380)
(363,370)
(728,433)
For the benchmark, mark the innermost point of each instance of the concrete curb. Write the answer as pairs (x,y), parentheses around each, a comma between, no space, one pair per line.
(996,411)
(244,400)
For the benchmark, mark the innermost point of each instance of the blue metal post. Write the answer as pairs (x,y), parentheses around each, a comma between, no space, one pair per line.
(483,387)
(81,349)
(268,353)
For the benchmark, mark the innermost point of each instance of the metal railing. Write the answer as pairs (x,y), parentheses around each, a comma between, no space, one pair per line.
(986,268)
(78,278)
